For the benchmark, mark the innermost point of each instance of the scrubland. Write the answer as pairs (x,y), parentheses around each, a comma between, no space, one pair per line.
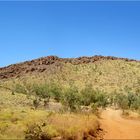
(65,101)
(19,120)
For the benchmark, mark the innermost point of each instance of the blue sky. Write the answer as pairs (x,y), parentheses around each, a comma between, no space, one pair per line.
(30,30)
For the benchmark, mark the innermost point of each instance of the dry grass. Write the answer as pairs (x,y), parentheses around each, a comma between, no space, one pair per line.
(134,115)
(16,116)
(14,124)
(74,126)
(17,119)
(109,76)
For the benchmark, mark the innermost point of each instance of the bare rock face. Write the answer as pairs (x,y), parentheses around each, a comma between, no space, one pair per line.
(42,64)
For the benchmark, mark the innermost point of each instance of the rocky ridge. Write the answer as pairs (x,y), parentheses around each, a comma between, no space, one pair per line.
(42,64)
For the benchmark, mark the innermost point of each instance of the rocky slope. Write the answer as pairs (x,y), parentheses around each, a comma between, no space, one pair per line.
(108,74)
(42,64)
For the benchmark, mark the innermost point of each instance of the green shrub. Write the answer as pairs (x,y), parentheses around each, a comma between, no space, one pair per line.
(131,99)
(41,90)
(24,88)
(55,92)
(19,89)
(87,95)
(101,99)
(136,102)
(36,132)
(122,101)
(127,101)
(71,99)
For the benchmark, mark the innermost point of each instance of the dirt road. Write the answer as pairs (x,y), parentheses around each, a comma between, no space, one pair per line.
(116,127)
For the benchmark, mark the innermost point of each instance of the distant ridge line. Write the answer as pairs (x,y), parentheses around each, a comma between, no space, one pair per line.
(41,64)
(78,58)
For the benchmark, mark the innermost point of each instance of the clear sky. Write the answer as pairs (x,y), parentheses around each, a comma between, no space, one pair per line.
(30,30)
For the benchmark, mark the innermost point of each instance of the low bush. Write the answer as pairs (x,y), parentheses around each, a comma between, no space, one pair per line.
(55,92)
(71,99)
(89,96)
(127,101)
(19,89)
(135,104)
(122,101)
(101,99)
(40,132)
(41,90)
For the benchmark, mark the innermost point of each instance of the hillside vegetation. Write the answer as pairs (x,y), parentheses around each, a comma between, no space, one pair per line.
(56,98)
(76,82)
(108,74)
(19,120)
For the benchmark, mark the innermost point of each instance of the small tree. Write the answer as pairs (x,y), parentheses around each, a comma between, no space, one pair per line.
(71,99)
(42,91)
(55,91)
(87,95)
(131,98)
(101,99)
(122,101)
(136,103)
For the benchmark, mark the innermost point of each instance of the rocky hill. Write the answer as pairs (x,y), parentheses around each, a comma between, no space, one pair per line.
(109,74)
(42,64)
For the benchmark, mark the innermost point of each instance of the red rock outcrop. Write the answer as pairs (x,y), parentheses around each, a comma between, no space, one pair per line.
(42,64)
